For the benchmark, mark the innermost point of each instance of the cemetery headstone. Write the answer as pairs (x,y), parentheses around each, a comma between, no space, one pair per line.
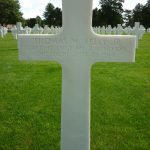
(46,30)
(95,30)
(128,30)
(5,30)
(1,32)
(76,48)
(109,30)
(14,32)
(142,31)
(57,30)
(18,29)
(103,30)
(52,30)
(119,29)
(99,30)
(28,30)
(37,29)
(114,30)
(136,32)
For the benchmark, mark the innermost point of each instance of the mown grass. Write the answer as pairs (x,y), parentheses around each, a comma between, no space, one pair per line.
(30,102)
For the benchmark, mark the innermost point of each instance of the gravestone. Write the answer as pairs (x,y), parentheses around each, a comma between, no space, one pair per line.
(99,30)
(142,31)
(76,48)
(46,30)
(119,29)
(5,31)
(109,30)
(14,32)
(41,30)
(103,30)
(136,31)
(18,29)
(52,30)
(95,29)
(128,30)
(28,29)
(37,29)
(114,30)
(57,30)
(1,32)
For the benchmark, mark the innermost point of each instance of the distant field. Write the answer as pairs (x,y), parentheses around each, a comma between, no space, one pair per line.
(30,102)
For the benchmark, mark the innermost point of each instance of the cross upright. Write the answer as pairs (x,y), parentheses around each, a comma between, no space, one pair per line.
(76,48)
(109,30)
(137,32)
(119,29)
(1,32)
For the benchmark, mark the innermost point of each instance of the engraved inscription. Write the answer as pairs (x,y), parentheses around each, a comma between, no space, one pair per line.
(75,47)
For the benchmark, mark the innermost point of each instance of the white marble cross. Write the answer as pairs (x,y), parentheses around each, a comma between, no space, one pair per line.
(5,30)
(109,30)
(119,29)
(142,31)
(37,29)
(76,48)
(136,31)
(28,29)
(1,32)
(46,30)
(103,30)
(18,30)
(114,30)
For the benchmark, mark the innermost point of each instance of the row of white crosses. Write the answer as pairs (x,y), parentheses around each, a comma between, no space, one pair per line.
(3,31)
(18,29)
(45,30)
(76,48)
(109,30)
(51,30)
(119,30)
(142,31)
(138,30)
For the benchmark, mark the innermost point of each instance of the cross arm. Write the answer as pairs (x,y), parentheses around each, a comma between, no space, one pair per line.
(39,47)
(113,48)
(94,48)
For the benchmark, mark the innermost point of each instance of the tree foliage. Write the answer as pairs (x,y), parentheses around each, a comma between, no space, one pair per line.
(97,15)
(146,15)
(128,18)
(52,15)
(10,12)
(141,13)
(111,12)
(32,21)
(138,13)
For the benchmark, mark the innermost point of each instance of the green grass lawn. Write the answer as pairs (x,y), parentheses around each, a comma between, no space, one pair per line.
(30,102)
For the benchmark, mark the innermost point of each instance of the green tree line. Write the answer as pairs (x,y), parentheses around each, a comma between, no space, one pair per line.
(10,12)
(109,12)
